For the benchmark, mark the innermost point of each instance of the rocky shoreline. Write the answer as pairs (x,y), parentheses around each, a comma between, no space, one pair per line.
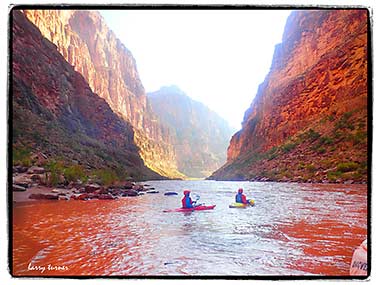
(30,184)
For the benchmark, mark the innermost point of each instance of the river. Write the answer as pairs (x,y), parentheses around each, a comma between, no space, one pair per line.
(293,229)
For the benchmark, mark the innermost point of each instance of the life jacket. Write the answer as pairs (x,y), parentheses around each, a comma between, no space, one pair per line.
(187,202)
(359,260)
(240,198)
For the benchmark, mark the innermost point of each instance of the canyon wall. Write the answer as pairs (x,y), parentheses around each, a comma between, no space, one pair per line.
(200,135)
(54,110)
(309,118)
(85,41)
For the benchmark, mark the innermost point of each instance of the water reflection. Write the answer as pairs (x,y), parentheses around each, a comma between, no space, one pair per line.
(294,229)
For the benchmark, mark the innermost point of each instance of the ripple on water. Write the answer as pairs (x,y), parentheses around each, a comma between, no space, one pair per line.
(293,229)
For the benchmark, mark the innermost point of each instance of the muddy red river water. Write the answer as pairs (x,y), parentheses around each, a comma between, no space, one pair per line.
(293,230)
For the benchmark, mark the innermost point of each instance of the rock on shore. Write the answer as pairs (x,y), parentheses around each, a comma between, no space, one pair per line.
(30,184)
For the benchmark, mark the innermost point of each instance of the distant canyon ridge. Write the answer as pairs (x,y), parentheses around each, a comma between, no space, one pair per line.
(77,96)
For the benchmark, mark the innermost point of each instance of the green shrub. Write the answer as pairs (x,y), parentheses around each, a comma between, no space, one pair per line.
(338,135)
(106,176)
(272,153)
(363,168)
(56,171)
(301,166)
(310,167)
(321,150)
(288,147)
(359,137)
(21,156)
(327,118)
(322,141)
(347,166)
(311,135)
(325,141)
(334,175)
(344,122)
(361,125)
(74,173)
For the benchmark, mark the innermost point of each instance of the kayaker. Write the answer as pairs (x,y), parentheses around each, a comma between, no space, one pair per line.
(186,200)
(240,197)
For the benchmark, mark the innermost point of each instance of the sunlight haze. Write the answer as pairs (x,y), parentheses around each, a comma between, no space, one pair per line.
(218,57)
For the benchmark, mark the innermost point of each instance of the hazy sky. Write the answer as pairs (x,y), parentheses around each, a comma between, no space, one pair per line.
(217,57)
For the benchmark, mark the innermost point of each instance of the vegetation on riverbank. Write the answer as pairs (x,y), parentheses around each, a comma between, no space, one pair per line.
(60,172)
(333,150)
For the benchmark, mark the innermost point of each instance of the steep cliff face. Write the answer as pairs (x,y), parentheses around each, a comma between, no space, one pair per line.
(55,111)
(309,117)
(85,42)
(200,136)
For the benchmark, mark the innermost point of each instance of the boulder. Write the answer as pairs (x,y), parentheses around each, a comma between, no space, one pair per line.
(63,197)
(76,184)
(22,180)
(103,190)
(20,169)
(128,185)
(36,170)
(106,197)
(51,197)
(74,196)
(37,177)
(115,192)
(18,188)
(130,193)
(84,196)
(41,196)
(39,158)
(90,188)
(92,196)
(138,187)
(22,184)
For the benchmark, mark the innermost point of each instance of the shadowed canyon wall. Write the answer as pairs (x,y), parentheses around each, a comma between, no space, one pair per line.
(108,66)
(54,110)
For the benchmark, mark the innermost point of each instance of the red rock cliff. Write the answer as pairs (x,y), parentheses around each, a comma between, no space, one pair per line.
(55,111)
(317,80)
(85,41)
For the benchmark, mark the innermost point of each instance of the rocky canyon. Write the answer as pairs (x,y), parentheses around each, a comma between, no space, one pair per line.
(92,50)
(200,135)
(85,41)
(309,119)
(55,113)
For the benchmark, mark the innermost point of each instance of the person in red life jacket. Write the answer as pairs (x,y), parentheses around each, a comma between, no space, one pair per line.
(359,260)
(186,200)
(240,197)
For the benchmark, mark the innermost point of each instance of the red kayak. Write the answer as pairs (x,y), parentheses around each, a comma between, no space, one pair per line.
(197,208)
